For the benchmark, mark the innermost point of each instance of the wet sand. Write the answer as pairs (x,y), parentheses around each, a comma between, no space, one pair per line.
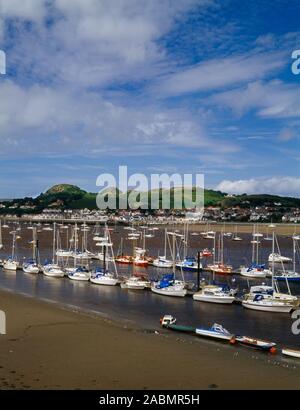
(48,346)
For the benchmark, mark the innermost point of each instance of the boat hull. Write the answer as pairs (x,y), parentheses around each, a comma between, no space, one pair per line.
(291,353)
(213,335)
(104,281)
(225,300)
(181,293)
(267,307)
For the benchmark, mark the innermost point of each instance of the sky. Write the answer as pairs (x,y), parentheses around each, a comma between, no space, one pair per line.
(162,86)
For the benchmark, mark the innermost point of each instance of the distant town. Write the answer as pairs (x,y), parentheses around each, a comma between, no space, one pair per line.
(70,202)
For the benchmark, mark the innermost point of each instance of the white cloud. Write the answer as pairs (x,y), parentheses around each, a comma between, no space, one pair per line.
(98,42)
(273,99)
(44,119)
(277,185)
(220,73)
(25,9)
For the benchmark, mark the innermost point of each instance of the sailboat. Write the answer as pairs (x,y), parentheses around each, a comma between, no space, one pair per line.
(291,276)
(169,285)
(255,270)
(162,261)
(235,236)
(11,263)
(52,269)
(32,266)
(77,273)
(219,266)
(102,276)
(189,263)
(267,299)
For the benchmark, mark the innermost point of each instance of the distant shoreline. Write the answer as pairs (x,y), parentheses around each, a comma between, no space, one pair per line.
(242,227)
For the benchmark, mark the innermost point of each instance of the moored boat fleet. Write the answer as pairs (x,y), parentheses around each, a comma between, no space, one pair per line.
(72,258)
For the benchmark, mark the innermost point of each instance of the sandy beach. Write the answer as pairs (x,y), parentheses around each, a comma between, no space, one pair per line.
(48,346)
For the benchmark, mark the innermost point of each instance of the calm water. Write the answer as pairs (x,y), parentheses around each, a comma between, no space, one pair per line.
(145,308)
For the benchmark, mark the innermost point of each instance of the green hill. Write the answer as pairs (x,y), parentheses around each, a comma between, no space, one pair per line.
(66,196)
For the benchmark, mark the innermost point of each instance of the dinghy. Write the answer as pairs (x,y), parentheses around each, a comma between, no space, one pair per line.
(291,353)
(169,322)
(256,343)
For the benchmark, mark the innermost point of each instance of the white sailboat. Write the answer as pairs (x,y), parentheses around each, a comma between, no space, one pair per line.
(11,263)
(255,270)
(32,266)
(78,273)
(236,237)
(103,276)
(271,300)
(52,269)
(291,276)
(169,285)
(162,261)
(218,266)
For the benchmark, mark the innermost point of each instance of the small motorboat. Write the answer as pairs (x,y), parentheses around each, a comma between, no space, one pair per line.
(257,343)
(169,322)
(215,332)
(291,353)
(266,303)
(135,283)
(215,294)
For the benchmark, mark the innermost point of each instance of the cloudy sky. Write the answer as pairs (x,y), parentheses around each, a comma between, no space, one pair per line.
(189,86)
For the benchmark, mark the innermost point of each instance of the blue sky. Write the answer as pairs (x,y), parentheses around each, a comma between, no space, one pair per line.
(189,86)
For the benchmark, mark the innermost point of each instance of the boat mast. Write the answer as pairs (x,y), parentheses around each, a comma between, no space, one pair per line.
(54,239)
(294,255)
(13,246)
(75,245)
(1,244)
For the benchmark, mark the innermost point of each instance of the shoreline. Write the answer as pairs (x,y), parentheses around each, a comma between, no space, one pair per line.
(73,349)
